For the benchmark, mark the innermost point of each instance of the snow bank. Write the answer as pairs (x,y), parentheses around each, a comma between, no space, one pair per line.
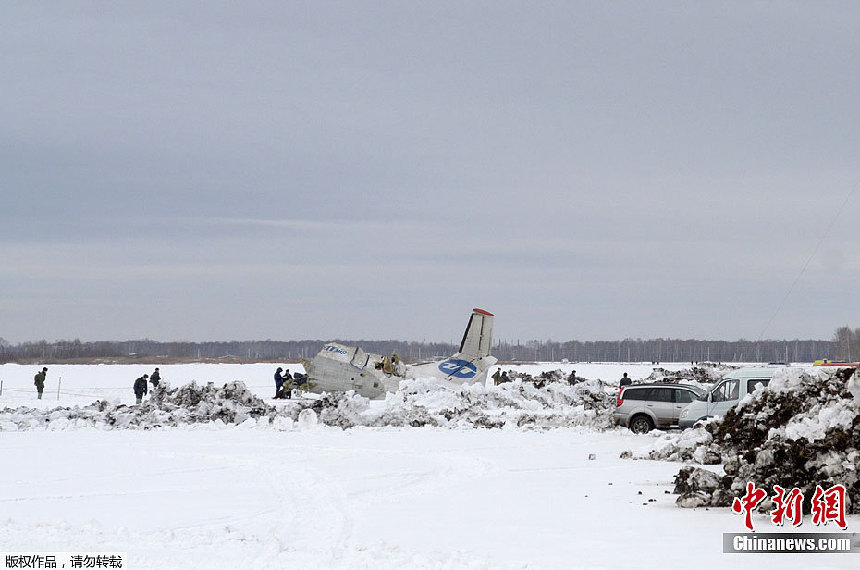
(232,404)
(702,376)
(690,445)
(421,402)
(549,399)
(802,431)
(427,402)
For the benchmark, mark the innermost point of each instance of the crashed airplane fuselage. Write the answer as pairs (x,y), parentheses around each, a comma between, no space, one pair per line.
(338,368)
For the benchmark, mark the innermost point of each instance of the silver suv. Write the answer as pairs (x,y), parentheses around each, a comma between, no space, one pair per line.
(642,407)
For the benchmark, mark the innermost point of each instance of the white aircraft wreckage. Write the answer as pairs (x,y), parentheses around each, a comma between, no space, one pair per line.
(338,368)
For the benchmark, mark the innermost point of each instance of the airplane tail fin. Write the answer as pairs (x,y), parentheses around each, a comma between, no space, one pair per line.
(478,338)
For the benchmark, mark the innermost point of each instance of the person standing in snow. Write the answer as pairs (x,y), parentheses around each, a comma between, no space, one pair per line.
(39,380)
(140,387)
(279,382)
(155,379)
(497,376)
(572,378)
(386,365)
(625,381)
(287,387)
(396,365)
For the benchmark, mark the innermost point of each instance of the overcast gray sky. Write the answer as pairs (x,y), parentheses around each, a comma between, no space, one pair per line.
(288,170)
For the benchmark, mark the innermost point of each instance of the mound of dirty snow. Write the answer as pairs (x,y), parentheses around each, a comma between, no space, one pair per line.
(420,402)
(231,404)
(427,402)
(802,431)
(702,375)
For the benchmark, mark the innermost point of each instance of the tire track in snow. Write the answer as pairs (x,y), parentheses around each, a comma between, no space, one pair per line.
(308,507)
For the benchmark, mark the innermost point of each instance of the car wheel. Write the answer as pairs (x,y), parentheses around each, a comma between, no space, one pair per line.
(641,424)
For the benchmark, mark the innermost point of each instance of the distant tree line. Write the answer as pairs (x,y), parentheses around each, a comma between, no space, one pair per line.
(668,350)
(845,345)
(261,350)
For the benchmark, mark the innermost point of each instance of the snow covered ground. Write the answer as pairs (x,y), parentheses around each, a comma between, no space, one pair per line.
(82,384)
(300,494)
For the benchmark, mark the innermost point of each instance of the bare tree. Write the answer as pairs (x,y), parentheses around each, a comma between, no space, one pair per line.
(845,341)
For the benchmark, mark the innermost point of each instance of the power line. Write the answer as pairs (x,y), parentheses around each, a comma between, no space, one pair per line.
(810,258)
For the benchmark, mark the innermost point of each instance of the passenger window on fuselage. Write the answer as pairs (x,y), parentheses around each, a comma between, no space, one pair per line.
(755,383)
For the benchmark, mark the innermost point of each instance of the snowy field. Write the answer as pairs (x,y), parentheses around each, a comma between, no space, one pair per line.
(80,385)
(304,495)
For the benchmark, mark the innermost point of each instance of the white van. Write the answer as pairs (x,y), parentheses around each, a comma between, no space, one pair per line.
(727,393)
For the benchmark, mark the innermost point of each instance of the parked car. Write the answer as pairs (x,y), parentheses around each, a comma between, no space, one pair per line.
(727,393)
(642,407)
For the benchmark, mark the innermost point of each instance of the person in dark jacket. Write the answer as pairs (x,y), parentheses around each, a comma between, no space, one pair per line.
(155,379)
(140,387)
(39,380)
(279,382)
(300,380)
(287,386)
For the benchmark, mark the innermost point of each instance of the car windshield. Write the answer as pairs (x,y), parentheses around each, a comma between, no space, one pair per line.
(701,394)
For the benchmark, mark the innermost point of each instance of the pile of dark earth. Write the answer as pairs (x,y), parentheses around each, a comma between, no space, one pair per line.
(800,437)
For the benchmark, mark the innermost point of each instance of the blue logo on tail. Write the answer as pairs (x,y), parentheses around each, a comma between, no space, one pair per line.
(458,368)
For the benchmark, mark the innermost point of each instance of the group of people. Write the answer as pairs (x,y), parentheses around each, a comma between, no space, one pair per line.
(140,385)
(392,365)
(500,377)
(284,383)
